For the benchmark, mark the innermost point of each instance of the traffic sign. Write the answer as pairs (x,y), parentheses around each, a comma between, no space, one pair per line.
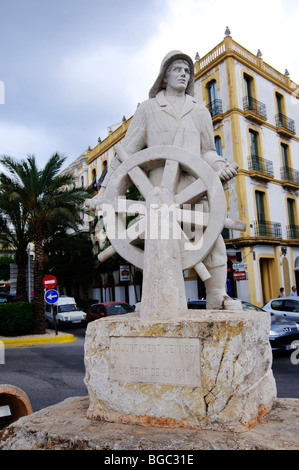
(49,281)
(240,276)
(51,296)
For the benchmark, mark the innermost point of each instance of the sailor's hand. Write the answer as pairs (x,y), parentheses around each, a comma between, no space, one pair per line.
(227,171)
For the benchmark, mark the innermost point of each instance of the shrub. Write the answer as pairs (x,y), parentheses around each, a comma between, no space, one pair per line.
(16,319)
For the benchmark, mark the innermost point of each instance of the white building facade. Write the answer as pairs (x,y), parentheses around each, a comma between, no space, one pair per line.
(255,114)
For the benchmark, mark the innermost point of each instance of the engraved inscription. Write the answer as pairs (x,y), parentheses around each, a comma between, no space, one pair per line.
(173,361)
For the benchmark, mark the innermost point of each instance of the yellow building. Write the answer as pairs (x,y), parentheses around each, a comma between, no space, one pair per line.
(255,114)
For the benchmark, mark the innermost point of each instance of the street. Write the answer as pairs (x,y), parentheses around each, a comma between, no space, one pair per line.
(48,374)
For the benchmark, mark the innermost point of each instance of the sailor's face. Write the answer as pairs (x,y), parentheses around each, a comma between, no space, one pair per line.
(178,75)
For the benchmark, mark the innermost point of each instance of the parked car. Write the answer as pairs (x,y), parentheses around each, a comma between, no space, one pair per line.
(285,307)
(6,297)
(106,309)
(283,335)
(66,312)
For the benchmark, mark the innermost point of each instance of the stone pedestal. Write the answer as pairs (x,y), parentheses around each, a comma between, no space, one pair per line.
(207,370)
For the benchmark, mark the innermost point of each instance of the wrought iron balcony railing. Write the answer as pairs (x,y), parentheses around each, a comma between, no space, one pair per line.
(265,228)
(289,174)
(251,104)
(256,163)
(293,231)
(215,107)
(285,122)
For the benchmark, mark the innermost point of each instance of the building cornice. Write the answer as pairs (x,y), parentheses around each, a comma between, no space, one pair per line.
(107,143)
(230,48)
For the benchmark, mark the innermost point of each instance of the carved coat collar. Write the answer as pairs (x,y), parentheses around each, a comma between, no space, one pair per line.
(168,108)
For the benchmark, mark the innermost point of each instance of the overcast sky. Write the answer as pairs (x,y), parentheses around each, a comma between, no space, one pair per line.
(71,68)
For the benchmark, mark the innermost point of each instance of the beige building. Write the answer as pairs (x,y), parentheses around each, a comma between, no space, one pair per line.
(255,114)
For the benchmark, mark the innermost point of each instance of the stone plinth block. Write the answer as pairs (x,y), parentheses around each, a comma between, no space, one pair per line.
(207,370)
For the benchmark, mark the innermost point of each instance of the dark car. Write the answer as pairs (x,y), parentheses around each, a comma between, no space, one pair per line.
(106,309)
(283,335)
(6,297)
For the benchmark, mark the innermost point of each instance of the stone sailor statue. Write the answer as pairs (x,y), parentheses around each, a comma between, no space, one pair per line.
(172,118)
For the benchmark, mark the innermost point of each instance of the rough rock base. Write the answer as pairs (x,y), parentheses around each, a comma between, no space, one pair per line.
(65,426)
(206,370)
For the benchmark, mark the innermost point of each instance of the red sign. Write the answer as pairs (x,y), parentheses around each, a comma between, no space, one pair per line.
(240,276)
(49,281)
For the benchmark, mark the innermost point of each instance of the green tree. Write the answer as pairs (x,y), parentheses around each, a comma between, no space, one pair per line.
(12,215)
(71,259)
(48,205)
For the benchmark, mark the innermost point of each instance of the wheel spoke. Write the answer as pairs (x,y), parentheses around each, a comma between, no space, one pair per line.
(192,193)
(136,229)
(189,217)
(141,181)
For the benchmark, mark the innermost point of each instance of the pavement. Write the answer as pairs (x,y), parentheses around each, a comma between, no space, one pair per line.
(49,337)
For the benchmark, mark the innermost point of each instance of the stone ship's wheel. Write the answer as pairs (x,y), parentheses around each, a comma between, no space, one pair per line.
(187,180)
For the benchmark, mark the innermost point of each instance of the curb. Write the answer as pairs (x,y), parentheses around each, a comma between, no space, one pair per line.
(11,343)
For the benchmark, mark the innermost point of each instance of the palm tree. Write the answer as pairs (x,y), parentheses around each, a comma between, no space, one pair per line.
(48,206)
(12,214)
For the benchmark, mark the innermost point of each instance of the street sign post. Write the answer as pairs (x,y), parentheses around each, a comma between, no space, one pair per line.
(51,297)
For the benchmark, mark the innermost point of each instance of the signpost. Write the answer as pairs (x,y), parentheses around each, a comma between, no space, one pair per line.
(51,296)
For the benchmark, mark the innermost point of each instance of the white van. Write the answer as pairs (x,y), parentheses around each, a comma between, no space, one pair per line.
(66,312)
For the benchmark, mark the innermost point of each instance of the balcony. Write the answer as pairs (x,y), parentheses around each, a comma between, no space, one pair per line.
(285,126)
(290,177)
(265,228)
(293,231)
(260,168)
(215,108)
(254,110)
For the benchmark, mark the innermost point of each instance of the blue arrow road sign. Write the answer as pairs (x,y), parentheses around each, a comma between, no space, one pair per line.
(51,296)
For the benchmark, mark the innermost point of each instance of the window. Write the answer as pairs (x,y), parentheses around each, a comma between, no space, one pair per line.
(285,305)
(94,180)
(285,155)
(212,91)
(248,86)
(292,218)
(279,103)
(82,181)
(291,211)
(280,118)
(254,150)
(249,92)
(260,206)
(286,171)
(218,145)
(277,305)
(215,105)
(260,210)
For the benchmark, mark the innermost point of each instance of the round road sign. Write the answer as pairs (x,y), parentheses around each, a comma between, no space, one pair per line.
(49,281)
(51,296)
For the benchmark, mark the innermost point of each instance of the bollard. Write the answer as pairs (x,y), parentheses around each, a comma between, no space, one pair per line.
(14,404)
